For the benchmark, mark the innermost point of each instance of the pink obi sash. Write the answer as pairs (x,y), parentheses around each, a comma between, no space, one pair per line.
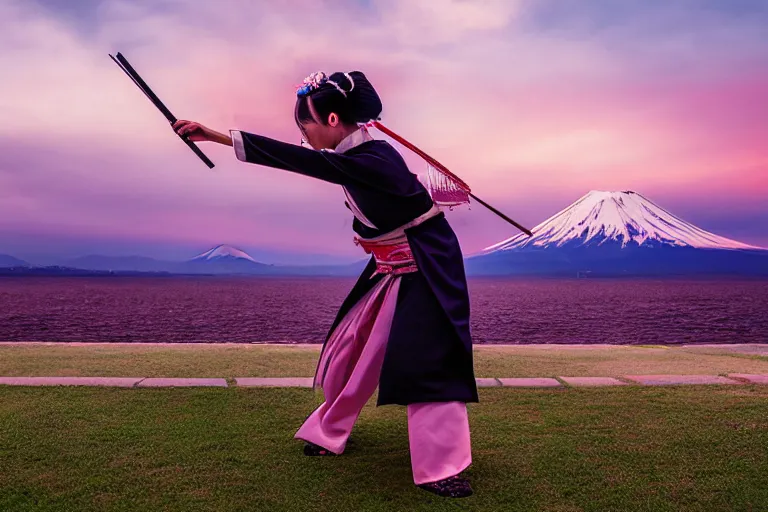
(391,258)
(392,251)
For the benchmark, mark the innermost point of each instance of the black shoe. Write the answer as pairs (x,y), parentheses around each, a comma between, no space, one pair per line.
(313,450)
(454,487)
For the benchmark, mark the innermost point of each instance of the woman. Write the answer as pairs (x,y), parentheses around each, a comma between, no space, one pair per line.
(405,325)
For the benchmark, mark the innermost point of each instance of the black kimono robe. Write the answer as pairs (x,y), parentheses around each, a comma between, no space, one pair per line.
(429,352)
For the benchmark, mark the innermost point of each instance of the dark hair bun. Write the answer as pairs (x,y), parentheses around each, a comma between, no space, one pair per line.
(354,100)
(363,102)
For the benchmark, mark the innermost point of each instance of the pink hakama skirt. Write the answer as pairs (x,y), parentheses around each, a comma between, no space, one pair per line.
(348,373)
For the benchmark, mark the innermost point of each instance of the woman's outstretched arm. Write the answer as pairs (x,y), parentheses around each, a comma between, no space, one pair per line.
(328,166)
(199,133)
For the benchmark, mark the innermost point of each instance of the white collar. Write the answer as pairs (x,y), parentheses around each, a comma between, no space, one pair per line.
(353,139)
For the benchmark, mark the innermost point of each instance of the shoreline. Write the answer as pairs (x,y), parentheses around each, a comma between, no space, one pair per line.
(545,346)
(216,360)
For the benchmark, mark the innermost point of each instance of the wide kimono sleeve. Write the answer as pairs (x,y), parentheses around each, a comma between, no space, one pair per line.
(340,168)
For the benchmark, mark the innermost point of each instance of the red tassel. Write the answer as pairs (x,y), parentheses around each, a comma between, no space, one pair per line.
(448,189)
(431,161)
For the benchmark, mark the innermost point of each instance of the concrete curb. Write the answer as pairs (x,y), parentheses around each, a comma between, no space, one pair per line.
(274,382)
(181,383)
(752,378)
(591,382)
(121,382)
(667,380)
(530,382)
(306,382)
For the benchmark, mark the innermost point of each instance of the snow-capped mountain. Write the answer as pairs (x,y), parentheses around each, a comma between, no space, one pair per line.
(223,252)
(624,217)
(619,233)
(225,259)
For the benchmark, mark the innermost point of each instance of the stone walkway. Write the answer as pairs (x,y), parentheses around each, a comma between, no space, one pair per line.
(305,382)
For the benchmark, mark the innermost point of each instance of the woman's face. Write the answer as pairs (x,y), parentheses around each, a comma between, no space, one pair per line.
(319,136)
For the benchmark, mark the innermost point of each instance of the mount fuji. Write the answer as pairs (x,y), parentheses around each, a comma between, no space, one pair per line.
(618,233)
(225,259)
(223,253)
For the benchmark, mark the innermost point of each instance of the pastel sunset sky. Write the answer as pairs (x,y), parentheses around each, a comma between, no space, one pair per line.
(532,102)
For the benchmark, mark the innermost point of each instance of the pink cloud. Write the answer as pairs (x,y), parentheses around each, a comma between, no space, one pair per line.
(530,119)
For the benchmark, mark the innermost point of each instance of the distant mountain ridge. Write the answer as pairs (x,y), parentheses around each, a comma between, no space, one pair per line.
(601,234)
(119,263)
(9,261)
(220,260)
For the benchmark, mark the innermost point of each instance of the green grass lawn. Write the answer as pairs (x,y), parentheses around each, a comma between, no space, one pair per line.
(299,361)
(687,448)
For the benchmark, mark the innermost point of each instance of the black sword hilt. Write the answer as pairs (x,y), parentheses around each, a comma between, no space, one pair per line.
(121,61)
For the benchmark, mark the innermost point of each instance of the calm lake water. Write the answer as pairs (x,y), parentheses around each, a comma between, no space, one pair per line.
(300,310)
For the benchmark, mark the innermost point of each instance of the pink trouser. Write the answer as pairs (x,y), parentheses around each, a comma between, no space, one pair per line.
(349,372)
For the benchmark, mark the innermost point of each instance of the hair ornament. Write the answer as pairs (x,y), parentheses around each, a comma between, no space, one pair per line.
(349,77)
(311,83)
(338,87)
